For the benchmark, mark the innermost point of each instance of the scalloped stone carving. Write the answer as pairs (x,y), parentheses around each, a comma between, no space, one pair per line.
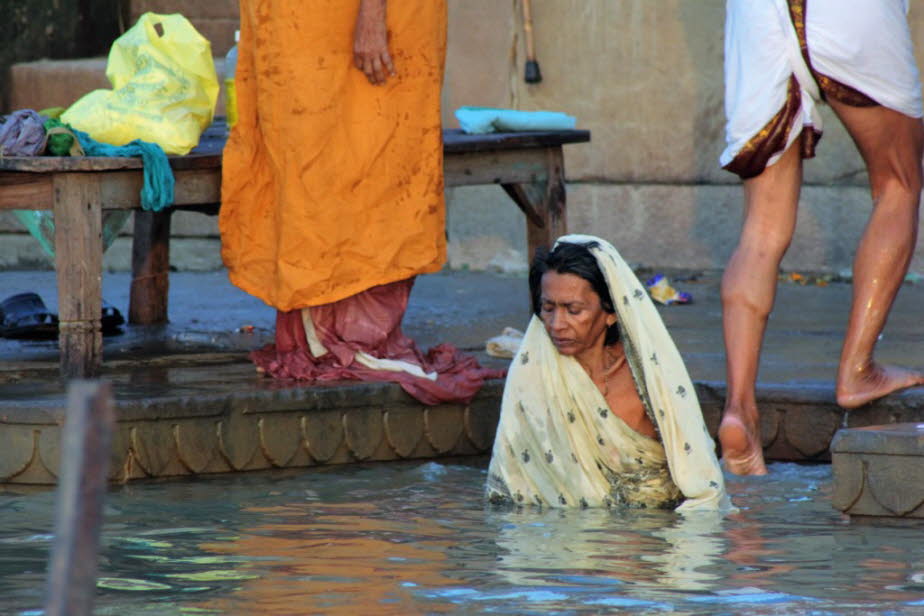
(195,445)
(20,444)
(403,429)
(238,440)
(848,481)
(443,426)
(121,447)
(810,433)
(769,427)
(49,449)
(322,432)
(280,437)
(363,431)
(896,482)
(153,446)
(481,425)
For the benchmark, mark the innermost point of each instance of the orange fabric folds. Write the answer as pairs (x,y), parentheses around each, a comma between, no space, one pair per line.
(332,185)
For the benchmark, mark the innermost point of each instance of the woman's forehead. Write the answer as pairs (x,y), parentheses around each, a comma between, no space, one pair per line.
(563,287)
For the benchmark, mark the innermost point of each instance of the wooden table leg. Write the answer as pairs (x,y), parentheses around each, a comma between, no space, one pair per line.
(543,204)
(147,303)
(79,264)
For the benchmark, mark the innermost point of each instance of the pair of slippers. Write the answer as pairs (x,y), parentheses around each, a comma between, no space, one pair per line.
(24,316)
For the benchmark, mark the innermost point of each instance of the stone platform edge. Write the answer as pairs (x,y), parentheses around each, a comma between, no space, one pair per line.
(282,428)
(300,427)
(879,472)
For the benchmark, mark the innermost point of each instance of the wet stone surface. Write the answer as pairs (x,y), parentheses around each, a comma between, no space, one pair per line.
(190,384)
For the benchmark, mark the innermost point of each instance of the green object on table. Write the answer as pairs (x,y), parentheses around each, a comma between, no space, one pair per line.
(61,139)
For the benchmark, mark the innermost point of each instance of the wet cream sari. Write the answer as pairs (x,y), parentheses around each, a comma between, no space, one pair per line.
(559,445)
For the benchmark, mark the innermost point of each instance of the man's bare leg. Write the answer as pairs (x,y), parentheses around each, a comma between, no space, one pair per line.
(891,145)
(748,291)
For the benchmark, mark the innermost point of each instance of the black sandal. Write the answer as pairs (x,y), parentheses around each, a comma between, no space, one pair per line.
(111,319)
(25,316)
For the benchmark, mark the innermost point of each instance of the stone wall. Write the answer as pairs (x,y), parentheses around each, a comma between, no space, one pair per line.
(55,29)
(216,20)
(645,76)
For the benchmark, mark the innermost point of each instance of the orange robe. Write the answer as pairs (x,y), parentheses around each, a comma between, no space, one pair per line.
(331,185)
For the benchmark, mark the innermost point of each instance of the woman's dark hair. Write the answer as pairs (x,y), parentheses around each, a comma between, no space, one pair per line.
(572,259)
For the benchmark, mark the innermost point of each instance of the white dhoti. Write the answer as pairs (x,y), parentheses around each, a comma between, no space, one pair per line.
(784,57)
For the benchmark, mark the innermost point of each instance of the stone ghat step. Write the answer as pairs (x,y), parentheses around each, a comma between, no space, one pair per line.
(181,416)
(225,418)
(799,421)
(59,83)
(879,472)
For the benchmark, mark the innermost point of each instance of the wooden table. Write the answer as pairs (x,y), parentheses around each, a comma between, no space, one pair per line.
(528,166)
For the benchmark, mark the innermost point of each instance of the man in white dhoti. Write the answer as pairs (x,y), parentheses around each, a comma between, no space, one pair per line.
(782,59)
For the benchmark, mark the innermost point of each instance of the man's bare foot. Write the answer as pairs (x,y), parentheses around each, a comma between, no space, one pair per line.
(741,448)
(874,382)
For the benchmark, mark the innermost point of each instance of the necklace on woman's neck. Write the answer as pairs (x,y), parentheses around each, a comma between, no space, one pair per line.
(616,363)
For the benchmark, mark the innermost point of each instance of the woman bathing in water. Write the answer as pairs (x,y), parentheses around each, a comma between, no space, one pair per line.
(598,409)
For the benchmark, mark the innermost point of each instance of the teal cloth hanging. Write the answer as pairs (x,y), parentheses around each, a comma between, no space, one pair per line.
(157,190)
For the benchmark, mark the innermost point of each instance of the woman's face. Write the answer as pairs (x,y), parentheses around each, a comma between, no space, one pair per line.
(572,314)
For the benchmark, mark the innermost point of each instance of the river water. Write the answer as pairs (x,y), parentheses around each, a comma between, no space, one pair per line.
(415,538)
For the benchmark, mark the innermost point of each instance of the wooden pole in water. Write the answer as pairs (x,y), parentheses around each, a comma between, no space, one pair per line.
(83,477)
(532,73)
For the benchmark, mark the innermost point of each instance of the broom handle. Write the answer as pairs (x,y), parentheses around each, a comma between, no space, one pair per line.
(528,30)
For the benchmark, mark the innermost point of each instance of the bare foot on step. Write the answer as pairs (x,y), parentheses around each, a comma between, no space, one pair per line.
(741,449)
(873,382)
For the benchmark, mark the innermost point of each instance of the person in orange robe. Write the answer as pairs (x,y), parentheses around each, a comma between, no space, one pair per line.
(332,187)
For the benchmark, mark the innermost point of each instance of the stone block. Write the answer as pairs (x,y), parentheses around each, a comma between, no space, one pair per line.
(219,32)
(9,224)
(485,230)
(879,471)
(797,422)
(54,29)
(192,224)
(188,254)
(210,9)
(22,251)
(60,83)
(479,56)
(55,83)
(697,226)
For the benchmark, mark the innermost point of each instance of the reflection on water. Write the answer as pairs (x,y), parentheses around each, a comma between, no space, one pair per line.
(414,538)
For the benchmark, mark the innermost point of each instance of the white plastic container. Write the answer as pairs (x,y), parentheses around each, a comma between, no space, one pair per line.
(230,91)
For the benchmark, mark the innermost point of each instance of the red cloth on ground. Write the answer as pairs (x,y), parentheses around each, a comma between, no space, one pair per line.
(370,321)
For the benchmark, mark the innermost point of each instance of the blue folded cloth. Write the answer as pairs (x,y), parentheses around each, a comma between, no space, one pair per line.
(479,120)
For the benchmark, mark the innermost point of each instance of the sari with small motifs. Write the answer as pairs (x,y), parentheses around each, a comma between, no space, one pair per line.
(559,445)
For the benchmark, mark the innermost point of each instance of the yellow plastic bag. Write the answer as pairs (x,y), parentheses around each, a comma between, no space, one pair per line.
(164,87)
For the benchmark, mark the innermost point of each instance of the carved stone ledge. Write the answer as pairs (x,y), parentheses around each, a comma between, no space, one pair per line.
(262,424)
(269,428)
(879,471)
(797,422)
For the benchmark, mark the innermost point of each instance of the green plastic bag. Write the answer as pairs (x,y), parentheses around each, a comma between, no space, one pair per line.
(41,225)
